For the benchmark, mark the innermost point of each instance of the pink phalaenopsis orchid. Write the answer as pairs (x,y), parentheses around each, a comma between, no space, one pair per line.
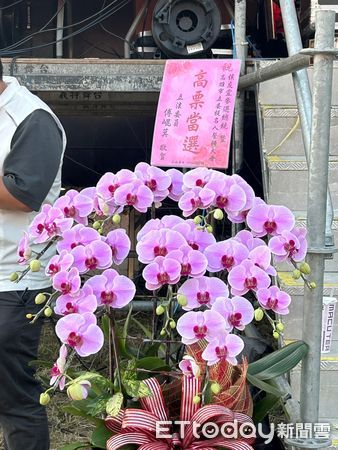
(193,262)
(289,245)
(157,180)
(261,257)
(196,198)
(76,206)
(112,289)
(193,326)
(49,223)
(119,242)
(266,219)
(24,251)
(80,332)
(58,368)
(162,271)
(229,195)
(246,238)
(197,239)
(58,263)
(176,185)
(81,302)
(134,194)
(240,216)
(275,299)
(199,177)
(246,277)
(225,255)
(189,367)
(166,222)
(107,186)
(224,348)
(202,291)
(78,235)
(158,243)
(96,255)
(67,282)
(237,311)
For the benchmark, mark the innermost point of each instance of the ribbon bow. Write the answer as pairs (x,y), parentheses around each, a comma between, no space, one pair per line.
(140,426)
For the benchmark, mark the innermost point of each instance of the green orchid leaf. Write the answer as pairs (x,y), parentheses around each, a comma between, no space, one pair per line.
(263,385)
(279,362)
(100,436)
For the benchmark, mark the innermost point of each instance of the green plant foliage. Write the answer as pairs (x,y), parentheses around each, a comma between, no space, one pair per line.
(264,406)
(75,446)
(279,362)
(100,436)
(114,404)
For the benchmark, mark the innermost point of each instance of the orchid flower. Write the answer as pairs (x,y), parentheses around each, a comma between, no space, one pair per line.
(247,276)
(193,326)
(112,289)
(266,219)
(80,332)
(275,299)
(75,205)
(202,291)
(223,348)
(237,311)
(58,368)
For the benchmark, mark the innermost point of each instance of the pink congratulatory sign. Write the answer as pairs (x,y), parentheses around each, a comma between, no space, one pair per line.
(195,113)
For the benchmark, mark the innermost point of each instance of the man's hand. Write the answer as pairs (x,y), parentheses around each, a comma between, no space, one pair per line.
(7,201)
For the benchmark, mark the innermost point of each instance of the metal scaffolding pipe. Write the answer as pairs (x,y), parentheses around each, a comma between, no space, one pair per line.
(241,52)
(303,95)
(316,212)
(132,29)
(280,68)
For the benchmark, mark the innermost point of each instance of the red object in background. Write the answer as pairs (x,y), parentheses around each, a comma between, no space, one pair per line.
(277,19)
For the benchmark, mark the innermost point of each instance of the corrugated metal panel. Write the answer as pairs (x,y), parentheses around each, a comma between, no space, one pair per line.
(308,11)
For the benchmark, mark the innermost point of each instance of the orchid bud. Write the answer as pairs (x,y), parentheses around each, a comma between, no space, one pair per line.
(163,332)
(296,274)
(196,400)
(78,390)
(172,324)
(197,220)
(27,253)
(105,209)
(48,311)
(116,219)
(215,388)
(40,298)
(312,285)
(44,398)
(160,310)
(209,229)
(29,316)
(35,265)
(280,327)
(100,230)
(14,276)
(259,314)
(275,335)
(97,224)
(182,300)
(218,214)
(305,268)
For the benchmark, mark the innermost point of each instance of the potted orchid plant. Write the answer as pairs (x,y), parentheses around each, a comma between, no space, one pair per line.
(204,291)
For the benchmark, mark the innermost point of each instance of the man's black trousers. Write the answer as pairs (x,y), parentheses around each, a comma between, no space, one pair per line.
(22,418)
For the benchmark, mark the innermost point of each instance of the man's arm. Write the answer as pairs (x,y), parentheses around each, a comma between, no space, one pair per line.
(7,201)
(32,164)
